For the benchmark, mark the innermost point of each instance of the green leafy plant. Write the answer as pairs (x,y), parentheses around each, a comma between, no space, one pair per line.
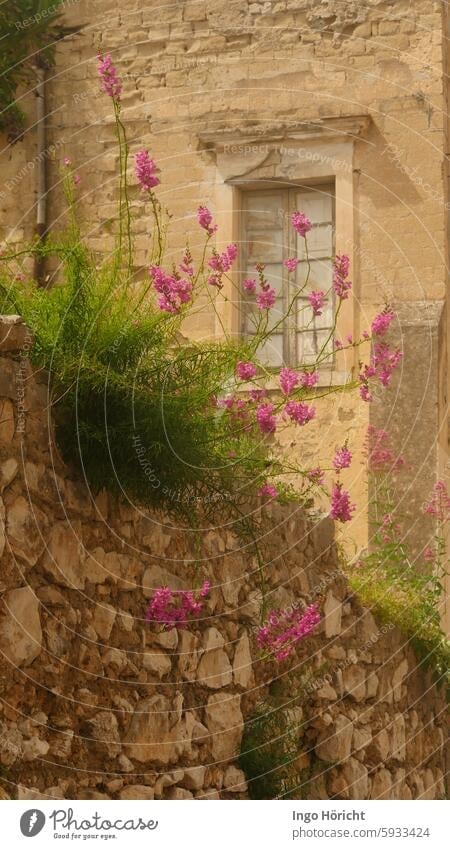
(271,754)
(166,422)
(28,30)
(399,587)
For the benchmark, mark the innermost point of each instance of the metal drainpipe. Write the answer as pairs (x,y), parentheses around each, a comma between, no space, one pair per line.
(41,178)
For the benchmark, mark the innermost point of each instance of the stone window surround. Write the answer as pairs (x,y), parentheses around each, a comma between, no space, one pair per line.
(306,152)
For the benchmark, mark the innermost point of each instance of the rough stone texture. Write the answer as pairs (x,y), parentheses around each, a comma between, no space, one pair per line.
(97,704)
(20,626)
(193,68)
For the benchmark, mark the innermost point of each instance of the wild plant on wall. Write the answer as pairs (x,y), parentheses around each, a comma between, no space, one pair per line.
(187,427)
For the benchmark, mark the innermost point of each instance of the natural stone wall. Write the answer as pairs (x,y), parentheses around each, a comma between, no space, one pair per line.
(96,704)
(193,68)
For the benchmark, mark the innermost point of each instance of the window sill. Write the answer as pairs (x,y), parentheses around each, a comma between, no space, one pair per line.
(327,377)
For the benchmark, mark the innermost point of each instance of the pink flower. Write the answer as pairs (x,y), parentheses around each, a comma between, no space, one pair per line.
(249,285)
(205,589)
(300,413)
(429,554)
(342,458)
(438,504)
(173,291)
(309,379)
(291,264)
(341,508)
(379,453)
(77,179)
(317,300)
(111,84)
(266,419)
(257,394)
(204,218)
(221,263)
(268,491)
(364,393)
(383,361)
(288,380)
(67,161)
(266,299)
(283,629)
(381,322)
(338,345)
(341,284)
(316,475)
(245,371)
(145,169)
(301,223)
(173,608)
(185,266)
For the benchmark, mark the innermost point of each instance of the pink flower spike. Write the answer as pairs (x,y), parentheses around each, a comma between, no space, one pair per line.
(266,299)
(300,413)
(342,458)
(364,393)
(317,300)
(173,291)
(341,508)
(309,379)
(283,629)
(77,179)
(381,322)
(291,264)
(341,283)
(301,223)
(204,218)
(145,169)
(265,418)
(67,161)
(249,285)
(316,475)
(289,379)
(245,371)
(205,589)
(268,491)
(110,82)
(438,504)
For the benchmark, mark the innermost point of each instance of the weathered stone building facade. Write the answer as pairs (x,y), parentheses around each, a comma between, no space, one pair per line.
(96,704)
(234,96)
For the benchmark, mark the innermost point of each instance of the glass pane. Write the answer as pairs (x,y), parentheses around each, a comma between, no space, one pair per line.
(306,318)
(309,344)
(274,275)
(275,314)
(317,205)
(264,211)
(320,275)
(319,241)
(271,352)
(265,246)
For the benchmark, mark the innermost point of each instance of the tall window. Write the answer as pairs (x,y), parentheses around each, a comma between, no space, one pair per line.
(268,237)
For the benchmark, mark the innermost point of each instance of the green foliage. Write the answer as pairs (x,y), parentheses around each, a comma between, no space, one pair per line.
(132,399)
(272,742)
(396,586)
(396,593)
(27,30)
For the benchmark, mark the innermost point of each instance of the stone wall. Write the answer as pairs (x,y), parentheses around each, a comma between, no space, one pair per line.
(196,69)
(96,704)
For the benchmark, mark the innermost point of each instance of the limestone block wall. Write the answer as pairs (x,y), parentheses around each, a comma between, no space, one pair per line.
(97,704)
(195,68)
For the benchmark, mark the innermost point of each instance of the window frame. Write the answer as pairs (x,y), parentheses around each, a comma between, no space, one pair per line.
(288,205)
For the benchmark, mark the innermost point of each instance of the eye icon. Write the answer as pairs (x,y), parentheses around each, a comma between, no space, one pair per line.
(32,822)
